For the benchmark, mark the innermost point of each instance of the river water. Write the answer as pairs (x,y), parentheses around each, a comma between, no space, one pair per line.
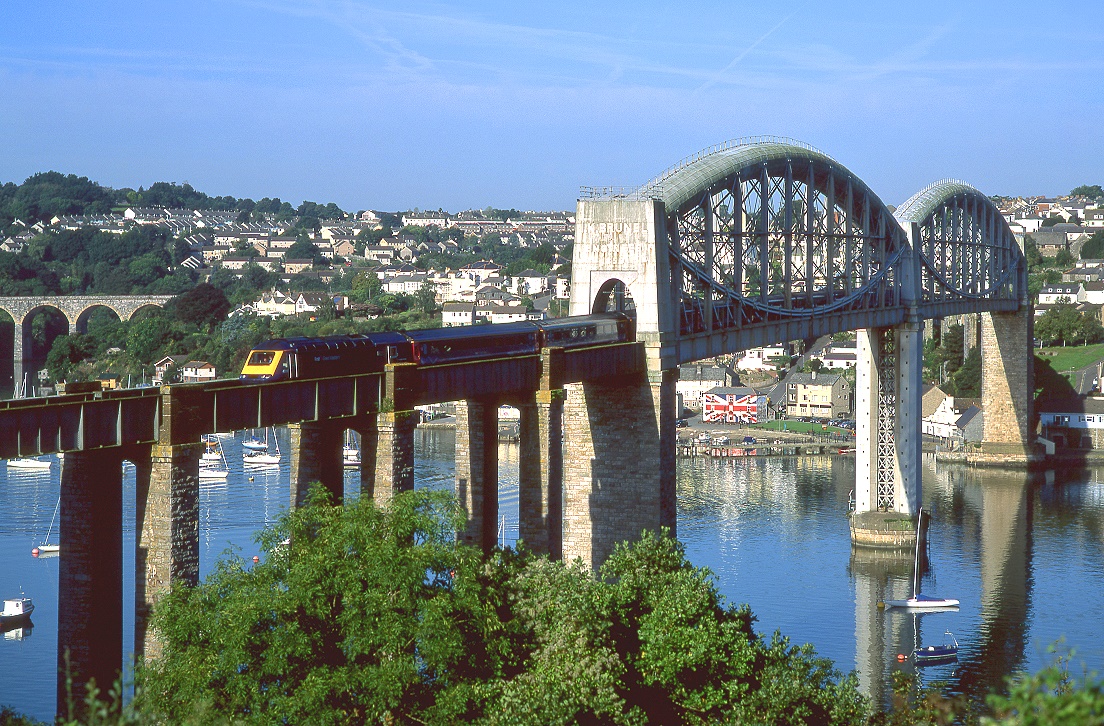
(1023,554)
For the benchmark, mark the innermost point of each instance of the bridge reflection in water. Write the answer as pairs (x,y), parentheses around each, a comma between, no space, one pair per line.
(1023,555)
(775,533)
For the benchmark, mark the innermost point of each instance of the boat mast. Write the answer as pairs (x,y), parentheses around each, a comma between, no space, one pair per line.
(51,530)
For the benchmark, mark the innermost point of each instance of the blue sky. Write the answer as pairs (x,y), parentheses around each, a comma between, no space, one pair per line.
(428,105)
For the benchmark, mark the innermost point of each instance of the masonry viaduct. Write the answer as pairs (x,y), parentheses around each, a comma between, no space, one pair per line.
(75,308)
(745,244)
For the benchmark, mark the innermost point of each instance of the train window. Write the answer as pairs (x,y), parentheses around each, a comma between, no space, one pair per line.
(261,358)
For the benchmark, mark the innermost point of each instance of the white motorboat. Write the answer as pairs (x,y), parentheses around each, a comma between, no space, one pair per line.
(16,609)
(46,549)
(28,464)
(918,602)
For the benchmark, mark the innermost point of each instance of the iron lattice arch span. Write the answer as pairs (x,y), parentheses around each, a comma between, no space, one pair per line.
(969,258)
(769,240)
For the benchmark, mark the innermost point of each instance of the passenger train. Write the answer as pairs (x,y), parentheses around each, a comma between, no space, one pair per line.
(340,355)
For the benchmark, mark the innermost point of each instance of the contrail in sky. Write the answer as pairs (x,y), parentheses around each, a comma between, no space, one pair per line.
(750,48)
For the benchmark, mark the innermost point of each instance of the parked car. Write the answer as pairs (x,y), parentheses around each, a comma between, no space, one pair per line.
(681,423)
(749,439)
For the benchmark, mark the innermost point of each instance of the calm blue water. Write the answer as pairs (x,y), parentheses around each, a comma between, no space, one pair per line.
(1024,557)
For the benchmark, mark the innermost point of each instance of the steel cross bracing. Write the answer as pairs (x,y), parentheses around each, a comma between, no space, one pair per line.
(787,239)
(887,406)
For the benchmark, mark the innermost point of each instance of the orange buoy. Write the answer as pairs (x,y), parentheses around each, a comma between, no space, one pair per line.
(34,552)
(900,656)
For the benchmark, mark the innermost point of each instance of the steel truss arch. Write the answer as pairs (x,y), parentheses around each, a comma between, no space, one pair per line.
(969,258)
(770,231)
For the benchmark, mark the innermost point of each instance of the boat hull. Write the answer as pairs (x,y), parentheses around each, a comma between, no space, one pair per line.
(29,464)
(935,654)
(921,604)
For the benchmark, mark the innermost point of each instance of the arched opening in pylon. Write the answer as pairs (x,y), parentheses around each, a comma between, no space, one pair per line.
(614,297)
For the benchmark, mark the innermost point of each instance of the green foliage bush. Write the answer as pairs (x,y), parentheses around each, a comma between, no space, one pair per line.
(380,616)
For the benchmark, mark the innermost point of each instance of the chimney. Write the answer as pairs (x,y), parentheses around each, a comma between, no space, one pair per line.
(814,373)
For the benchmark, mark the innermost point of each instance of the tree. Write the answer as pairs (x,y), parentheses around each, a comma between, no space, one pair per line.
(1063,258)
(203,305)
(967,379)
(304,249)
(1061,324)
(1031,252)
(366,286)
(66,351)
(942,360)
(427,297)
(1094,191)
(1052,220)
(409,626)
(146,338)
(1093,247)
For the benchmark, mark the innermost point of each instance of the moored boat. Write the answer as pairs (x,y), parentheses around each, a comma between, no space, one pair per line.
(920,602)
(28,464)
(936,654)
(16,609)
(46,549)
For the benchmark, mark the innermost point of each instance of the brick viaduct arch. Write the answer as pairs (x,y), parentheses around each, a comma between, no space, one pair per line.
(75,309)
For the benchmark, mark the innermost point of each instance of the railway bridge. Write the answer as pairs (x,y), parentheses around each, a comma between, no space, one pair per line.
(745,244)
(767,240)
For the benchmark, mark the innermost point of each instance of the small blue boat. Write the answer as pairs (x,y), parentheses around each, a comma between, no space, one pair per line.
(936,654)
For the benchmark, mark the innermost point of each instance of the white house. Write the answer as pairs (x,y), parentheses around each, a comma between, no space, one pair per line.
(457,313)
(197,371)
(1071,293)
(942,422)
(838,355)
(762,359)
(1076,423)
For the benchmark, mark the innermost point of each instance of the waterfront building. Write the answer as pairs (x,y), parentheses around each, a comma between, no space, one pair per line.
(740,405)
(818,395)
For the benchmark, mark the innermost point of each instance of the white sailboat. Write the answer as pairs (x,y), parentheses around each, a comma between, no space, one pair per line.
(350,453)
(918,602)
(213,451)
(46,549)
(262,457)
(212,464)
(26,463)
(255,444)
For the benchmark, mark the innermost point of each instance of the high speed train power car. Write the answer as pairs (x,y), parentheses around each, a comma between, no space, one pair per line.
(336,355)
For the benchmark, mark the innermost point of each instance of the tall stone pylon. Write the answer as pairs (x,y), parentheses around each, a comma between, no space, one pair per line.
(619,432)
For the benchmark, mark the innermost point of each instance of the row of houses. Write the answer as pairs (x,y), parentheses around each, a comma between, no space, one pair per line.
(276,304)
(715,390)
(187,370)
(473,283)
